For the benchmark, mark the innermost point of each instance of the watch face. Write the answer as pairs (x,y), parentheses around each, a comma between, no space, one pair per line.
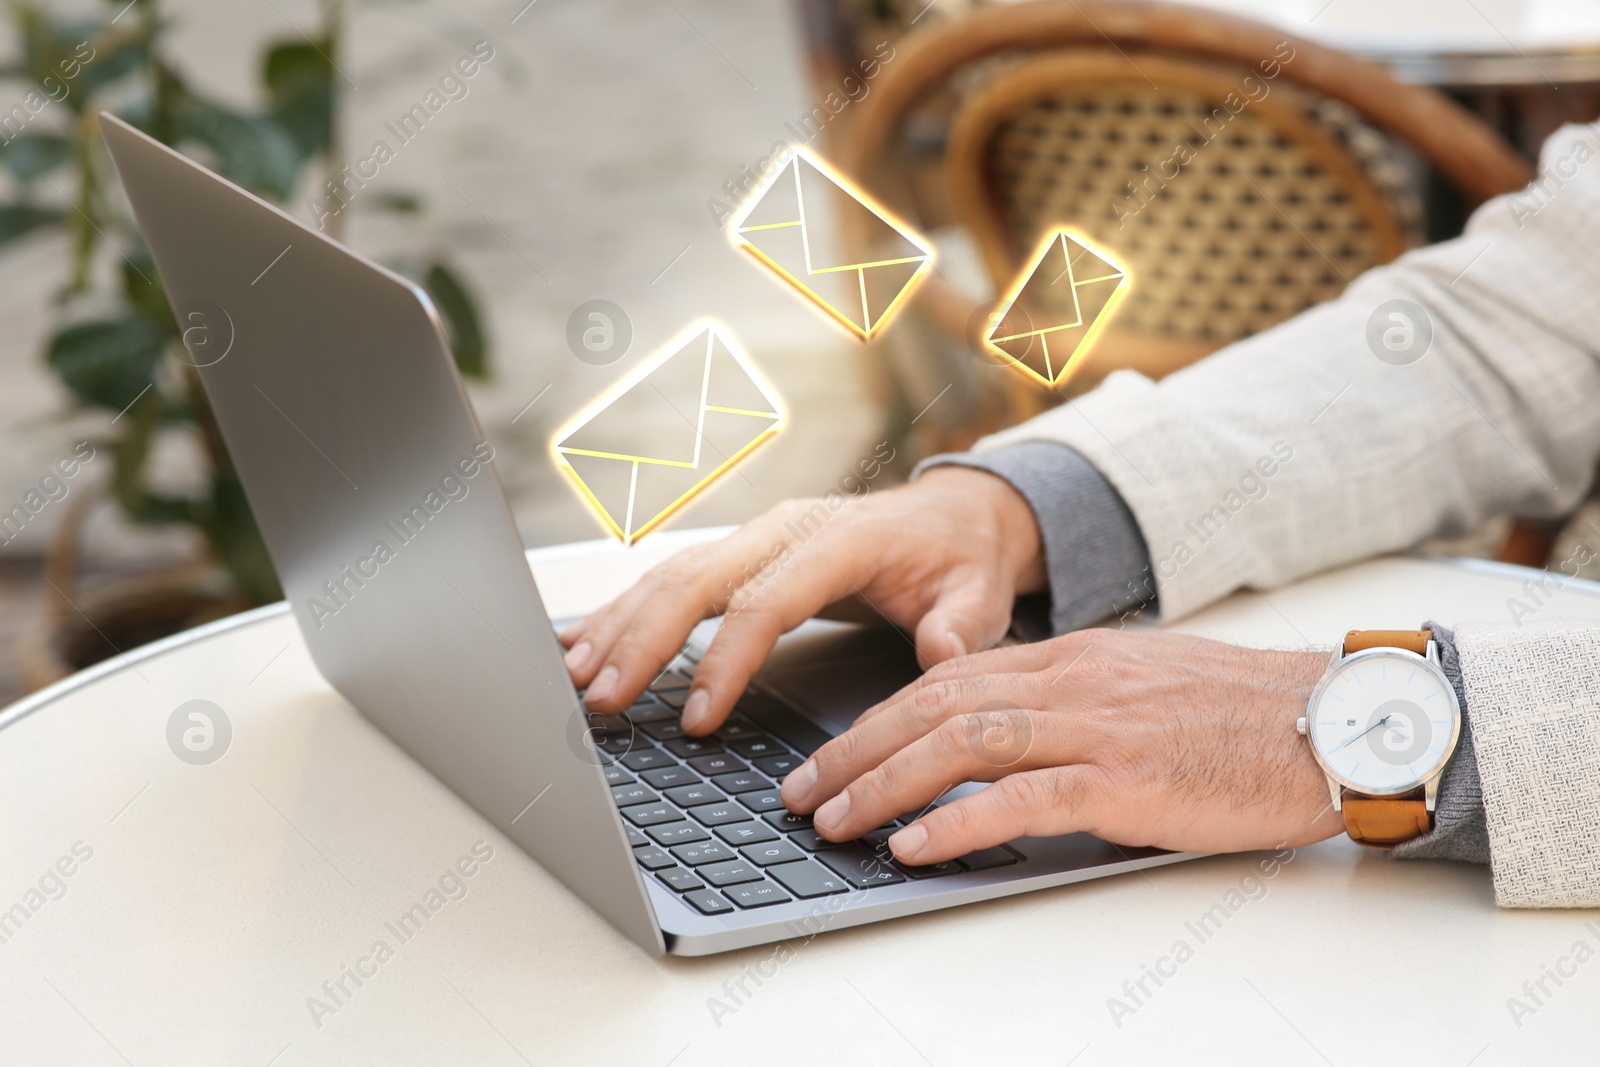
(1383,720)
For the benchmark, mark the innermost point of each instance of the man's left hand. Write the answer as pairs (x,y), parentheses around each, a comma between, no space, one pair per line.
(1138,738)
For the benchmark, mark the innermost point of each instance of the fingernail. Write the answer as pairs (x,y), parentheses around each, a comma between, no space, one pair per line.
(577,658)
(696,708)
(602,686)
(956,644)
(833,812)
(799,783)
(908,844)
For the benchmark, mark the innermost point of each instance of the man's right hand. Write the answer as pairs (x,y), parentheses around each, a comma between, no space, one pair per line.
(943,557)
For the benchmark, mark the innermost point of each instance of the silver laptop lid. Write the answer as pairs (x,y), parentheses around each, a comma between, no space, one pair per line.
(374,489)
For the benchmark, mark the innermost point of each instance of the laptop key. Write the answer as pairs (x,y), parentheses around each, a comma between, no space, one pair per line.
(687,796)
(756,895)
(765,855)
(808,879)
(676,833)
(620,744)
(680,879)
(663,729)
(669,681)
(674,698)
(649,711)
(668,777)
(737,726)
(931,870)
(787,820)
(812,841)
(717,814)
(756,747)
(741,782)
(651,814)
(689,747)
(778,766)
(649,759)
(652,858)
(878,840)
(861,868)
(635,838)
(717,763)
(708,902)
(764,801)
(746,833)
(730,873)
(985,858)
(702,852)
(617,776)
(624,795)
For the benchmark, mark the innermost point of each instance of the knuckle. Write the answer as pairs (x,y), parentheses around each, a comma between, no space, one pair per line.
(839,753)
(884,780)
(932,699)
(1038,792)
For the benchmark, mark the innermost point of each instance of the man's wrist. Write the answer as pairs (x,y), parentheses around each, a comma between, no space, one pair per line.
(1091,550)
(1016,531)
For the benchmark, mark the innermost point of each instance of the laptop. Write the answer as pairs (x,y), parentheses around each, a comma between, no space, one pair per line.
(376,492)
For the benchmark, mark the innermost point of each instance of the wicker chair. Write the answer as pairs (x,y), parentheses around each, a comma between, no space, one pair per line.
(1074,112)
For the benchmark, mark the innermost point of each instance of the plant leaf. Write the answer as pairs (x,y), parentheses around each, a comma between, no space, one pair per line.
(462,322)
(254,152)
(19,219)
(33,154)
(230,527)
(300,92)
(108,362)
(141,285)
(400,203)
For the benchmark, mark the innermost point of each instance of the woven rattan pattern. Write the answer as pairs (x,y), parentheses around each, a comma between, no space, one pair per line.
(1230,225)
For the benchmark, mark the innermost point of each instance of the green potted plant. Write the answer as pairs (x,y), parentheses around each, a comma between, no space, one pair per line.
(114,345)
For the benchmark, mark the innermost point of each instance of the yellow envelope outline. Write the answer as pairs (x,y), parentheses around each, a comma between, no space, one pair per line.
(787,165)
(680,345)
(1119,271)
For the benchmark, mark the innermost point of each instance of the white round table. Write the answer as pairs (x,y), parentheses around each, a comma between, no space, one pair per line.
(159,912)
(1448,42)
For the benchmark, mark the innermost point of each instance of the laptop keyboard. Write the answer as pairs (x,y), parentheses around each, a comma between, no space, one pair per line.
(705,818)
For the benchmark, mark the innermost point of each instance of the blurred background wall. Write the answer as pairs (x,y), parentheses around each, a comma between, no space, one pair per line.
(579,166)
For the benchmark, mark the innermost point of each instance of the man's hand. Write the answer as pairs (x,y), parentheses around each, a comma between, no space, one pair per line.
(1139,738)
(944,556)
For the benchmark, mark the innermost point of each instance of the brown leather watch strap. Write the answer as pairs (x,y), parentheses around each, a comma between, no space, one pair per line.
(1384,822)
(1410,640)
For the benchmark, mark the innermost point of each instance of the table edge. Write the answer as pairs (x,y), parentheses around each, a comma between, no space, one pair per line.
(48,695)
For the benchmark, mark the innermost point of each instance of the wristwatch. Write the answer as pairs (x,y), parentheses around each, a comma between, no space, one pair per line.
(1382,723)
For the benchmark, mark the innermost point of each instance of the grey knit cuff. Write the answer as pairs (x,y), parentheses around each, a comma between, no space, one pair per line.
(1459,830)
(1093,550)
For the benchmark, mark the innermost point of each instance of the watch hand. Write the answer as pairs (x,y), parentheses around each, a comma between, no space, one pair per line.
(1363,733)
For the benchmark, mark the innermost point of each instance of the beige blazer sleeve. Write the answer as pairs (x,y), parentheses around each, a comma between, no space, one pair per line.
(1301,449)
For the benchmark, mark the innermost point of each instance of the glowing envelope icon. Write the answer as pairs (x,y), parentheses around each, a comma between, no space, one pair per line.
(778,225)
(661,436)
(1048,320)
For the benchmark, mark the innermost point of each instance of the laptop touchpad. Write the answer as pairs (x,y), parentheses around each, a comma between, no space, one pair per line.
(831,672)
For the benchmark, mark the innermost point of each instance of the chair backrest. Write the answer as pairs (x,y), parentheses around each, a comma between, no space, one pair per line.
(1228,161)
(1235,212)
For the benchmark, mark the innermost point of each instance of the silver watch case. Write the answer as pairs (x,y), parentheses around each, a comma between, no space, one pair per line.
(1337,783)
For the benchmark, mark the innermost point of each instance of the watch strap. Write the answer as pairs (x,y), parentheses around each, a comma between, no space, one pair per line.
(1410,640)
(1384,822)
